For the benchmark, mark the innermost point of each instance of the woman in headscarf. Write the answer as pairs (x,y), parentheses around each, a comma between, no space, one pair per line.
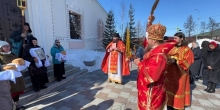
(211,61)
(5,94)
(38,74)
(195,67)
(20,38)
(7,57)
(58,64)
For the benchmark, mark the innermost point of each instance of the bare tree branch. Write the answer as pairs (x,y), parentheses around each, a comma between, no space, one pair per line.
(212,26)
(190,25)
(140,29)
(203,27)
(123,16)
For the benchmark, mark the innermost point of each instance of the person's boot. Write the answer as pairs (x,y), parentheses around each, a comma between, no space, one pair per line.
(191,80)
(63,77)
(36,89)
(170,108)
(209,85)
(58,79)
(212,90)
(197,77)
(43,87)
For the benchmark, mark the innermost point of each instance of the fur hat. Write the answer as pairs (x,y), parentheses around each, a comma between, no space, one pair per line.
(156,31)
(3,43)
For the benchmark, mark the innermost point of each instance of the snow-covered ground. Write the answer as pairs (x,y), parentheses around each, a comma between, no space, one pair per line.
(77,56)
(201,40)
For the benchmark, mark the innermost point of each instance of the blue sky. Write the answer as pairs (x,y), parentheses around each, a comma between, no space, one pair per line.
(171,13)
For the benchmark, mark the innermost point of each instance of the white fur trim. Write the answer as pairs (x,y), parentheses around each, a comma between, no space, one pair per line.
(146,35)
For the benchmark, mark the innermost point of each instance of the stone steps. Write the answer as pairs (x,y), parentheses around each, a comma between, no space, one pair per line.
(71,73)
(69,70)
(49,73)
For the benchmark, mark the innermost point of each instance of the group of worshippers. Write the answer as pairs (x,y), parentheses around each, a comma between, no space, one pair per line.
(206,64)
(164,70)
(24,52)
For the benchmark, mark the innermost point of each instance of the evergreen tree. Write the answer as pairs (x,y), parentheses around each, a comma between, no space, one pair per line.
(109,29)
(131,23)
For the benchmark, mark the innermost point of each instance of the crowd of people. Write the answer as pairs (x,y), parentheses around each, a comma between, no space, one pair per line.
(166,68)
(206,64)
(23,44)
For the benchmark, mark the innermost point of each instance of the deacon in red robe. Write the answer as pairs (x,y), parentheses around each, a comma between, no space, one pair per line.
(114,62)
(178,81)
(151,70)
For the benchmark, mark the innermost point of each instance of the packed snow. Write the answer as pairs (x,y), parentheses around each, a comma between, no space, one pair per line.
(76,57)
(201,40)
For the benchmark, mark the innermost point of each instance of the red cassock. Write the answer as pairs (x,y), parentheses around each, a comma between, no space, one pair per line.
(151,76)
(178,76)
(125,64)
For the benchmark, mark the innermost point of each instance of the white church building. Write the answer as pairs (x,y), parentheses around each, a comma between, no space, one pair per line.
(78,24)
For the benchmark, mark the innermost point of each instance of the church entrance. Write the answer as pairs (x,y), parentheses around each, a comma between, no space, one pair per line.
(10,18)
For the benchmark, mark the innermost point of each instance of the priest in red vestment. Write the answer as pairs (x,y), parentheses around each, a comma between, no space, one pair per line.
(178,81)
(114,62)
(151,70)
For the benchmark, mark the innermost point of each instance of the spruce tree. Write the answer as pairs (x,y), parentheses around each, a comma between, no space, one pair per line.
(109,29)
(131,24)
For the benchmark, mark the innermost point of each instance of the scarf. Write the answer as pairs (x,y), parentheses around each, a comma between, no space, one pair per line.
(6,53)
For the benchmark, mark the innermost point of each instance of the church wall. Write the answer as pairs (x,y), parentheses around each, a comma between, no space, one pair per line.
(91,13)
(49,20)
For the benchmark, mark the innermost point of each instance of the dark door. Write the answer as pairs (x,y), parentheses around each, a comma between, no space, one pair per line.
(10,18)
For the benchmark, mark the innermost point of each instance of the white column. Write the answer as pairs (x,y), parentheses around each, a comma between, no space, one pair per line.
(42,23)
(39,16)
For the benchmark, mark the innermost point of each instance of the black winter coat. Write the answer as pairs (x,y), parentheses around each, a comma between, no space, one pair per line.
(195,67)
(212,58)
(33,69)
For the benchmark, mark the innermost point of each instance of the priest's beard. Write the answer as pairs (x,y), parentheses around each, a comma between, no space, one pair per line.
(115,40)
(147,49)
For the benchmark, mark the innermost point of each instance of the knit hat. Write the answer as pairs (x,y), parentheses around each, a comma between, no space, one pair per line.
(214,44)
(156,31)
(3,43)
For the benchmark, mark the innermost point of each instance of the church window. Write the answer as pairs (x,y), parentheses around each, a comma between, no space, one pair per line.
(75,25)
